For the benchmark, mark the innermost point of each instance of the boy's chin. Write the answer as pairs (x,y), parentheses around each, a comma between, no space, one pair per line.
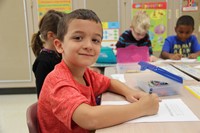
(87,64)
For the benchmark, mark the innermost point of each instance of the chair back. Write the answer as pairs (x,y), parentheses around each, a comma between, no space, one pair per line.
(32,119)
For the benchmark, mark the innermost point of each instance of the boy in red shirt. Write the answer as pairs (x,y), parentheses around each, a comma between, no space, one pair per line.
(67,100)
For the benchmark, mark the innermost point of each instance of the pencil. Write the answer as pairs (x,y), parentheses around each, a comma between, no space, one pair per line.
(150,90)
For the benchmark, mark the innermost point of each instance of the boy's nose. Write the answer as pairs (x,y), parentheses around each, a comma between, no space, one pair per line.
(88,44)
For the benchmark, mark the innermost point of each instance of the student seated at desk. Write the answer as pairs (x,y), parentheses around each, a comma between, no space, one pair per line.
(184,44)
(67,99)
(138,34)
(43,47)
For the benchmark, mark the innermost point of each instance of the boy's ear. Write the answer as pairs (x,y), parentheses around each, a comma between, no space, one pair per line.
(58,46)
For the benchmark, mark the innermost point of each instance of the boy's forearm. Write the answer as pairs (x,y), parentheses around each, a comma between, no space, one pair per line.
(198,53)
(119,87)
(105,116)
(164,55)
(117,114)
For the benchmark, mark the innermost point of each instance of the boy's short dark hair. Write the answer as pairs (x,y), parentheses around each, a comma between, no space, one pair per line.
(185,20)
(84,14)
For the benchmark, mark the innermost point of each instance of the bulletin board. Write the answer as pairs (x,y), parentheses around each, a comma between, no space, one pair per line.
(110,34)
(58,5)
(158,16)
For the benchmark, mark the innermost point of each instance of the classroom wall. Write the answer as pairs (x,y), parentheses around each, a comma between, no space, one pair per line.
(15,55)
(19,20)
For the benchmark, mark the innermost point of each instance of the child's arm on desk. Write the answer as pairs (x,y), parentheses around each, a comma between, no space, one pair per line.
(95,117)
(166,55)
(153,58)
(194,55)
(132,95)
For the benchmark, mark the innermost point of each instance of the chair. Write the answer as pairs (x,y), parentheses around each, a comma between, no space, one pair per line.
(31,118)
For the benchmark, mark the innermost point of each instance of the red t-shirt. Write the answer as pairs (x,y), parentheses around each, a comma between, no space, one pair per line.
(61,95)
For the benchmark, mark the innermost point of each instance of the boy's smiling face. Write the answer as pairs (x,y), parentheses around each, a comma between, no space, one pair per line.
(82,43)
(183,32)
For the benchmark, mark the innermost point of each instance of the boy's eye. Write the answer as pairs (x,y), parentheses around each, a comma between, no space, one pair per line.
(78,38)
(180,32)
(96,41)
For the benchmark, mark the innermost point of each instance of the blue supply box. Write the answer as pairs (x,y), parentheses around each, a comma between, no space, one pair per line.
(160,81)
(106,56)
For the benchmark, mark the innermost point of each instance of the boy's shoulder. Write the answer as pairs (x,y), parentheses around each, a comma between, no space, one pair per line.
(193,37)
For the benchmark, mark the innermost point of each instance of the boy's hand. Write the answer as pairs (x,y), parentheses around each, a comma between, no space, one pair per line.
(135,95)
(175,56)
(192,56)
(149,104)
(153,58)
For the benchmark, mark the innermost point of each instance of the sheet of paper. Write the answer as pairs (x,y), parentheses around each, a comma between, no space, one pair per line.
(119,77)
(176,72)
(198,66)
(189,70)
(182,60)
(169,110)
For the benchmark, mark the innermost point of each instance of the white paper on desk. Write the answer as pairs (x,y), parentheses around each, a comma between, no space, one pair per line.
(198,66)
(119,77)
(181,60)
(176,72)
(169,110)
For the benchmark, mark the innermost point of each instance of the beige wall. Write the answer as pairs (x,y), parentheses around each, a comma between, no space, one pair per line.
(17,27)
(15,54)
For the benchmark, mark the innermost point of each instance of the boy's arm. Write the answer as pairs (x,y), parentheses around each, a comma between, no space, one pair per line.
(166,55)
(120,88)
(195,48)
(95,117)
(194,55)
(167,47)
(123,39)
(120,43)
(147,41)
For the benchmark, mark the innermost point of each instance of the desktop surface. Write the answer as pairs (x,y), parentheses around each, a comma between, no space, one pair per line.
(154,127)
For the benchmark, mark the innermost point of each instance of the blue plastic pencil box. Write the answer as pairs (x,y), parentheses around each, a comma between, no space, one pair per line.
(163,82)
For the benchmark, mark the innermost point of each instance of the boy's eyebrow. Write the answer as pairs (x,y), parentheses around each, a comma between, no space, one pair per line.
(97,34)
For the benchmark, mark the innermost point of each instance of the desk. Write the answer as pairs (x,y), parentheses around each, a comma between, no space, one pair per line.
(162,127)
(101,66)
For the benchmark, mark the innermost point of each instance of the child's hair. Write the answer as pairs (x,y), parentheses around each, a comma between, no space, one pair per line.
(185,20)
(48,23)
(84,14)
(141,21)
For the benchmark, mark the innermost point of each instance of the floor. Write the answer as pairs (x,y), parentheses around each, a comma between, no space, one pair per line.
(13,112)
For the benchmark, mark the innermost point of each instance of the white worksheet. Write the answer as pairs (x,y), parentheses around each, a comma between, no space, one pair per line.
(176,72)
(186,60)
(169,110)
(119,77)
